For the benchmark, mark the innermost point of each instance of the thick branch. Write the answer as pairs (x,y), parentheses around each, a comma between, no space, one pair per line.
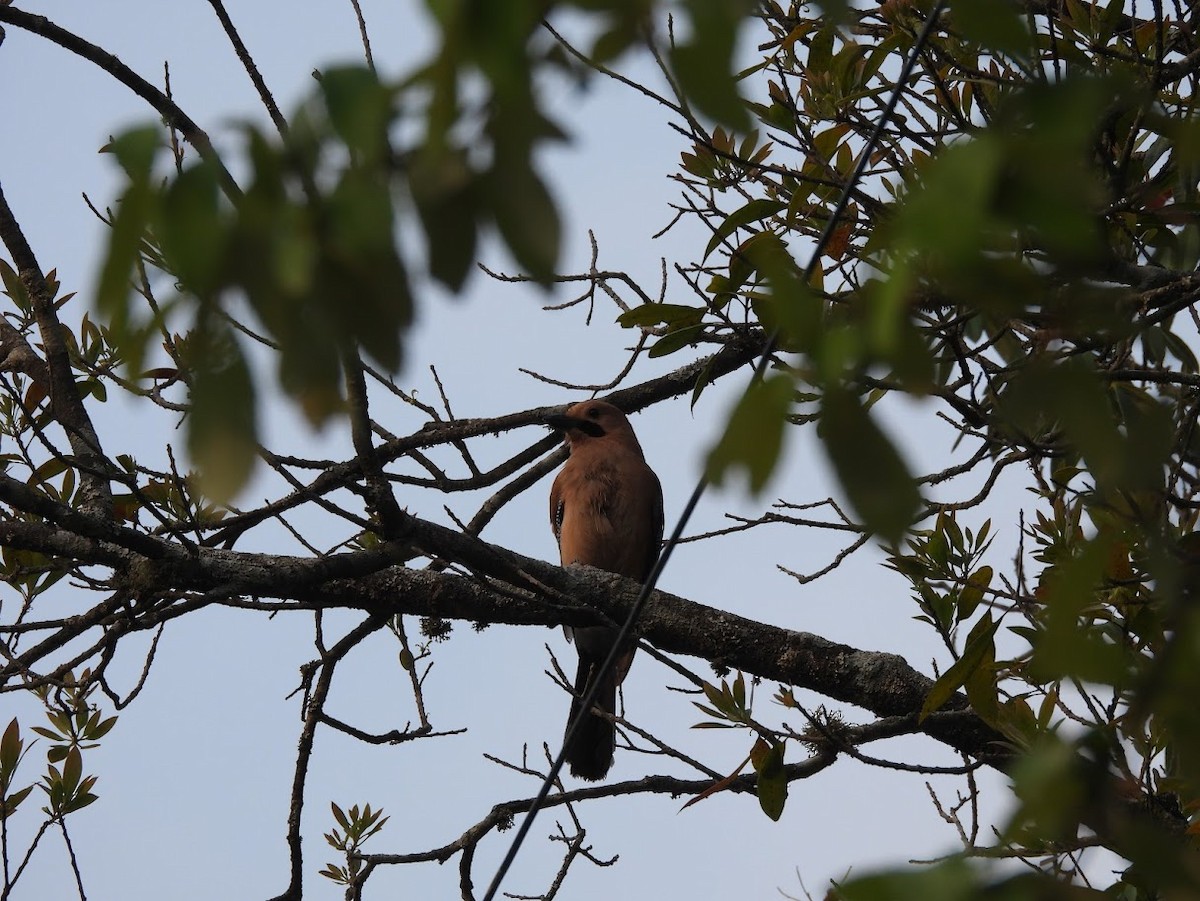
(372,580)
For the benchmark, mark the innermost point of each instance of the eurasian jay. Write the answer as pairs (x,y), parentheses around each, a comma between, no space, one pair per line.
(606,510)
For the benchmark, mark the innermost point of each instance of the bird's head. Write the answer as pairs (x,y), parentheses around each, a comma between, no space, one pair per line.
(593,419)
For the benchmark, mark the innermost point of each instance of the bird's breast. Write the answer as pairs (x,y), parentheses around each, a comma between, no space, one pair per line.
(602,491)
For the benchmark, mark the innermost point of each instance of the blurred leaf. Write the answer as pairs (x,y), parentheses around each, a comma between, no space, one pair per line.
(870,469)
(949,880)
(222,436)
(995,24)
(193,231)
(1066,648)
(794,316)
(1148,433)
(838,11)
(1047,780)
(616,40)
(360,109)
(526,216)
(363,282)
(447,200)
(135,151)
(791,310)
(753,438)
(1071,395)
(962,178)
(703,64)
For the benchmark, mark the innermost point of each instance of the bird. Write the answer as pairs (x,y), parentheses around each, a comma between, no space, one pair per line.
(606,510)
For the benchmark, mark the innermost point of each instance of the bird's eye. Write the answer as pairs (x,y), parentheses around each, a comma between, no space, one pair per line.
(593,413)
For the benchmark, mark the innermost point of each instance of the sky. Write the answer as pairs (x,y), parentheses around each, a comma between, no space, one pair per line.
(194,779)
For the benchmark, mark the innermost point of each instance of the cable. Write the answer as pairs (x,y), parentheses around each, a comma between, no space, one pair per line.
(703,482)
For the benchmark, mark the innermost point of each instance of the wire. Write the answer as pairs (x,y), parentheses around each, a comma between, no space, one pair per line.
(703,482)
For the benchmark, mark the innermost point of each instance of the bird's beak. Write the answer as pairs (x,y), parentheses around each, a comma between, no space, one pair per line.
(564,423)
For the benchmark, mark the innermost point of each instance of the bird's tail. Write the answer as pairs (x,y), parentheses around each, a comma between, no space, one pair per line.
(590,753)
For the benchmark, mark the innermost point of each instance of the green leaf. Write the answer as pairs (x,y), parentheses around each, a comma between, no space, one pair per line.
(980,648)
(753,438)
(339,816)
(101,729)
(72,770)
(676,340)
(703,380)
(872,473)
(336,873)
(13,286)
(649,314)
(972,593)
(739,691)
(12,802)
(1109,20)
(754,211)
(10,750)
(982,690)
(772,782)
(719,697)
(48,470)
(79,802)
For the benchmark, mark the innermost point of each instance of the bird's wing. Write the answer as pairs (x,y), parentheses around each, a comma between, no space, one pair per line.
(558,509)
